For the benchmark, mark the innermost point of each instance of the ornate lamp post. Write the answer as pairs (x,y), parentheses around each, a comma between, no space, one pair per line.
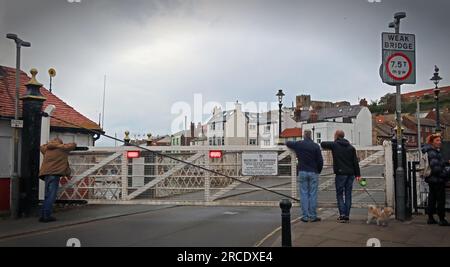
(280,96)
(436,79)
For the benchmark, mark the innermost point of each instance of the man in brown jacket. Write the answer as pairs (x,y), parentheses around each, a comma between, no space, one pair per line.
(54,165)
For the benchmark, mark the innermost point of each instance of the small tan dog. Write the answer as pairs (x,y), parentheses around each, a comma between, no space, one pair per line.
(381,215)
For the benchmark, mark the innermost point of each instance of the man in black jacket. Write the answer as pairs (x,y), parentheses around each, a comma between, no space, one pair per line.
(346,168)
(310,164)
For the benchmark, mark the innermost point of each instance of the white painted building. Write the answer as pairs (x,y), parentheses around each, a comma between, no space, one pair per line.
(236,127)
(355,121)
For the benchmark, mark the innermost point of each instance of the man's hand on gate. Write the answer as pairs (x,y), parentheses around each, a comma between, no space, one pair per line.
(358,178)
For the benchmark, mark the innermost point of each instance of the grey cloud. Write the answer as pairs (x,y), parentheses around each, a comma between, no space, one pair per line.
(156,53)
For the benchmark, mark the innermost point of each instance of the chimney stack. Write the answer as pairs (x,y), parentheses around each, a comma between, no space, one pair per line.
(363,103)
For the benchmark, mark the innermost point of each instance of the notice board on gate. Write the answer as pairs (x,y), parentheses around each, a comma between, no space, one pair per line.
(260,163)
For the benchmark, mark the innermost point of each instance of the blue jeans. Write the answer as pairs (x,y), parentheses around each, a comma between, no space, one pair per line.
(344,186)
(308,183)
(51,190)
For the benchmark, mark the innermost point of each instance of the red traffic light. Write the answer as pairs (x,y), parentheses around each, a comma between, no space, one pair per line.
(133,154)
(215,154)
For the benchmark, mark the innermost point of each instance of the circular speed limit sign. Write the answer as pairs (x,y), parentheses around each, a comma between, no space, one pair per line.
(399,66)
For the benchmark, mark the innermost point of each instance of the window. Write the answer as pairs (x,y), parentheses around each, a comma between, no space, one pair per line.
(252,127)
(267,142)
(319,135)
(319,140)
(213,126)
(267,128)
(220,141)
(223,140)
(210,141)
(252,141)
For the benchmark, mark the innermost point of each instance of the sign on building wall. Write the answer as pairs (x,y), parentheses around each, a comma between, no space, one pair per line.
(260,163)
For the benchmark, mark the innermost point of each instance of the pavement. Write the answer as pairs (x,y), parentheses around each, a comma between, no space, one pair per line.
(327,233)
(330,233)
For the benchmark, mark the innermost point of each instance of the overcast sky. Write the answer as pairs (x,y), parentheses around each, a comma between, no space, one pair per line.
(157,53)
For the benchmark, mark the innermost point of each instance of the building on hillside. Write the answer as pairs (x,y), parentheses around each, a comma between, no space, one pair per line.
(444,119)
(304,102)
(427,93)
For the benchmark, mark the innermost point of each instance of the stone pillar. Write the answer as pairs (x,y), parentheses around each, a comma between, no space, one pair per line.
(31,140)
(149,139)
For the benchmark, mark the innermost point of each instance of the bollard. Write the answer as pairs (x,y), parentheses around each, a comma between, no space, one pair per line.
(285,206)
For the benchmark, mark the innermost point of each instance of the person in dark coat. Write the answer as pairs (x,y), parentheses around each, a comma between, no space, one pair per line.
(310,164)
(436,180)
(346,168)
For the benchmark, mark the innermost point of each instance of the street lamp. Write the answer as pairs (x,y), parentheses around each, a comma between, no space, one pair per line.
(280,96)
(14,179)
(436,79)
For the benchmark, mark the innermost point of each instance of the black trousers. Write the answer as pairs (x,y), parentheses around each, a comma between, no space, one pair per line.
(436,197)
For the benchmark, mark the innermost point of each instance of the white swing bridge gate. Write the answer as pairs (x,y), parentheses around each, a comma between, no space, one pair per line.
(105,175)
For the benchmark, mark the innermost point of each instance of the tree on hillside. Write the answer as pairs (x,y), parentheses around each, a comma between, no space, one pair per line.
(388,102)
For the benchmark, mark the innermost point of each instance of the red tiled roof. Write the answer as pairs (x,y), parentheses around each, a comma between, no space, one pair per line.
(422,93)
(291,132)
(63,110)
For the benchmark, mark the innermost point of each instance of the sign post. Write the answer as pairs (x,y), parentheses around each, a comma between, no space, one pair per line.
(399,67)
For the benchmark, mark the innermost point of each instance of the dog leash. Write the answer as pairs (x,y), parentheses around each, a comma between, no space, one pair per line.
(365,190)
